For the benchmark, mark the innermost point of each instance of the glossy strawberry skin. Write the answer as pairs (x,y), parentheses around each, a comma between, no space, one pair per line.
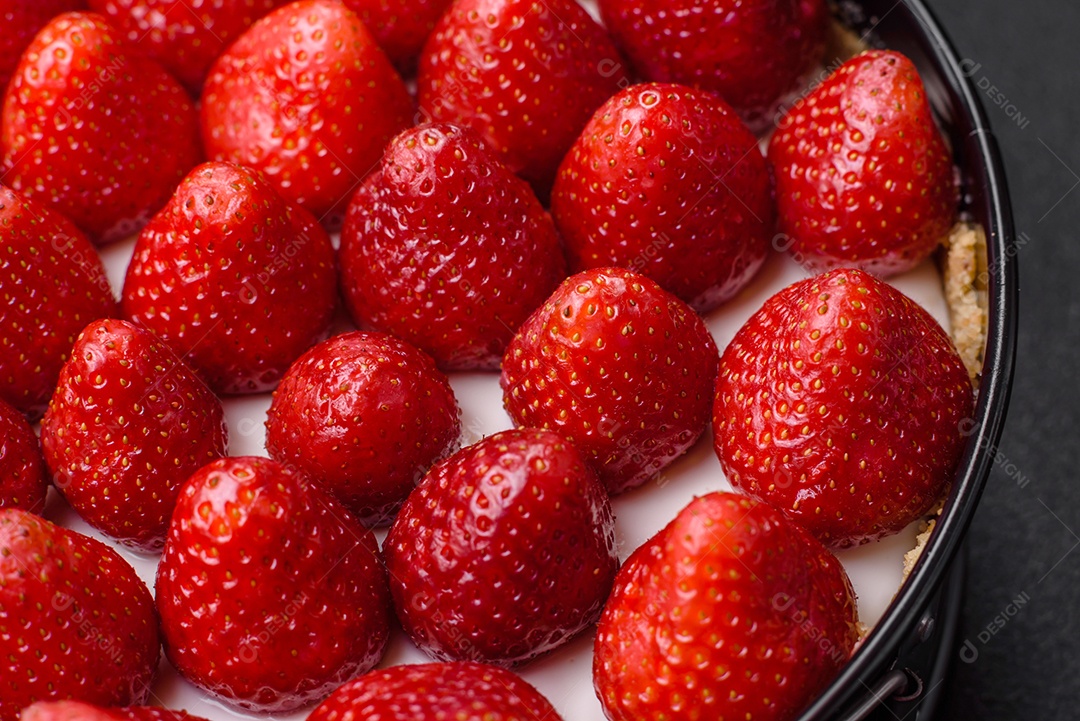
(101,643)
(52,283)
(366,415)
(437,691)
(128,424)
(619,366)
(668,182)
(446,248)
(308,99)
(841,403)
(750,52)
(85,119)
(185,37)
(863,175)
(525,75)
(79,711)
(731,611)
(400,26)
(237,280)
(23,481)
(21,22)
(270,593)
(505,550)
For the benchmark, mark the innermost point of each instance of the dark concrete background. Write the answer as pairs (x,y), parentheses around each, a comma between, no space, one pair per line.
(1025,540)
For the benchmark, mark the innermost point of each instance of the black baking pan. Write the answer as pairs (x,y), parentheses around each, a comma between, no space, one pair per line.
(897,673)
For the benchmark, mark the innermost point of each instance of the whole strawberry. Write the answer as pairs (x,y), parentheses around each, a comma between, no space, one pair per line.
(23,482)
(863,175)
(619,366)
(400,26)
(505,550)
(841,403)
(525,75)
(79,711)
(237,280)
(750,52)
(459,690)
(185,37)
(446,248)
(366,415)
(52,283)
(128,424)
(308,99)
(639,189)
(731,611)
(271,594)
(87,120)
(21,22)
(75,620)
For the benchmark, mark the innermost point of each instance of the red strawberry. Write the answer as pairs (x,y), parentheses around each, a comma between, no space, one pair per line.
(751,52)
(128,424)
(400,26)
(94,129)
(308,99)
(185,37)
(366,415)
(445,248)
(52,283)
(526,75)
(79,711)
(75,620)
(667,181)
(271,594)
(21,22)
(23,482)
(239,281)
(437,691)
(731,611)
(841,403)
(619,366)
(504,551)
(863,176)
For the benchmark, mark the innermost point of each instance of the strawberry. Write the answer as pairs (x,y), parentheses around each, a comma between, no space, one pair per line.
(238,280)
(620,367)
(23,482)
(750,52)
(841,402)
(308,99)
(21,22)
(400,26)
(863,175)
(128,424)
(444,247)
(86,121)
(667,181)
(52,283)
(525,75)
(366,415)
(437,691)
(524,538)
(75,620)
(271,594)
(79,711)
(731,611)
(185,37)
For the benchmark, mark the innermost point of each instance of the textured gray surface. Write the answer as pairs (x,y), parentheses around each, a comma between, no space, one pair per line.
(1025,540)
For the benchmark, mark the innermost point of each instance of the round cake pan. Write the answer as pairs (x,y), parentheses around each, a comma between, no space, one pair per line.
(898,671)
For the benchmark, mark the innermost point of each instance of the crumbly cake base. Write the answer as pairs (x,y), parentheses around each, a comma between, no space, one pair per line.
(964,275)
